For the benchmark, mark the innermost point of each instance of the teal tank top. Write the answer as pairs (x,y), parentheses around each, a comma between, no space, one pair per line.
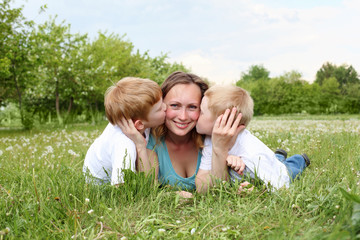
(167,174)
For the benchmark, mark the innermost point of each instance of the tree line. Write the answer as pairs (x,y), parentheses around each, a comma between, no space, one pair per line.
(49,74)
(336,89)
(52,74)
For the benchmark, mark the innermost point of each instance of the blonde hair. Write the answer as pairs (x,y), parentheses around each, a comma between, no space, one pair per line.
(172,80)
(221,98)
(131,98)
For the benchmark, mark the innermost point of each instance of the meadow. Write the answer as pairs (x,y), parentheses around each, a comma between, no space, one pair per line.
(43,194)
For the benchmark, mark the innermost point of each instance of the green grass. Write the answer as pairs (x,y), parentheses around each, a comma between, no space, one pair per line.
(43,194)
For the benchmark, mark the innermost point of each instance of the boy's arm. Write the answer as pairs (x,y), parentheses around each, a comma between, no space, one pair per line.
(142,162)
(123,156)
(224,135)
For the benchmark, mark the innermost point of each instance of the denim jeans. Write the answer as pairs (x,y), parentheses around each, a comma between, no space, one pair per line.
(294,164)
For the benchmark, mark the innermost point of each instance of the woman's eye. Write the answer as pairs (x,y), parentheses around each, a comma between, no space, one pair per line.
(174,105)
(193,107)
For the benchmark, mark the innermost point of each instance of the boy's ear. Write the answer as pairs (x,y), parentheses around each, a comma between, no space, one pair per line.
(139,125)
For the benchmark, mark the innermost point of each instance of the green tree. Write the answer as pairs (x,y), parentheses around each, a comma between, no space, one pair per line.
(255,73)
(344,74)
(53,48)
(15,63)
(330,95)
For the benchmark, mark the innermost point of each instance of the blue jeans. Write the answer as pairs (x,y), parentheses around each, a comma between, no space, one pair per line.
(294,164)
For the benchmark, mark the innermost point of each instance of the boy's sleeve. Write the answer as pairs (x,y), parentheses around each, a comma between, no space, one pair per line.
(123,157)
(205,163)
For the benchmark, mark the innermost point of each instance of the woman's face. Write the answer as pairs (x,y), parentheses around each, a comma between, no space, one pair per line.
(183,108)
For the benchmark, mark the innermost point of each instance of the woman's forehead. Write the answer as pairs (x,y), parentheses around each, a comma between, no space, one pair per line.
(184,92)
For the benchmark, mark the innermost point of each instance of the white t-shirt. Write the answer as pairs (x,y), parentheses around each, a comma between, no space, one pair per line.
(111,152)
(257,157)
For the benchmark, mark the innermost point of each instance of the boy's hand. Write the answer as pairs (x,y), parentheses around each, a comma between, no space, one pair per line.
(236,163)
(128,128)
(226,129)
(245,187)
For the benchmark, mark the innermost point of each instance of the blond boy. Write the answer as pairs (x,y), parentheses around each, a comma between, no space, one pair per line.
(271,168)
(130,98)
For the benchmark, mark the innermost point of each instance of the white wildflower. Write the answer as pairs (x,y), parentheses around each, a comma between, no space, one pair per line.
(178,221)
(161,230)
(193,231)
(87,200)
(10,148)
(49,149)
(90,211)
(1,152)
(71,152)
(224,229)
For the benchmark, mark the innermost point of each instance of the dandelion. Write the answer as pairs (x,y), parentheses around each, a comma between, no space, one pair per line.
(224,229)
(90,211)
(71,152)
(49,149)
(10,148)
(193,231)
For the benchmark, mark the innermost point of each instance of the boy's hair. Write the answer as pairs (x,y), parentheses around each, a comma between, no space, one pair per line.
(131,98)
(172,80)
(229,96)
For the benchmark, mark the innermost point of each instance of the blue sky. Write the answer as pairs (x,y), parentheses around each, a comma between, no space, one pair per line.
(221,39)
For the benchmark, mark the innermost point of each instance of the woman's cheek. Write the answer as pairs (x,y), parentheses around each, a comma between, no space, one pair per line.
(169,114)
(195,115)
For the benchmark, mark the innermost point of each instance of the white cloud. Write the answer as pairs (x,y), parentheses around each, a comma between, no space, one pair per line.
(216,68)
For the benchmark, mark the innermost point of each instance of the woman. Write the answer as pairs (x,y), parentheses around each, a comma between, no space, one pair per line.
(174,149)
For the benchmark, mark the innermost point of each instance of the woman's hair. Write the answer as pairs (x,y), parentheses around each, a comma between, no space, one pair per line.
(221,98)
(172,80)
(131,98)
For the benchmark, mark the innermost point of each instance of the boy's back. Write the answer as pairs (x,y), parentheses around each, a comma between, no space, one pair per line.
(111,152)
(258,158)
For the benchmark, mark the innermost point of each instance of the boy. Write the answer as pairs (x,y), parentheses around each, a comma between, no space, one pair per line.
(258,158)
(139,100)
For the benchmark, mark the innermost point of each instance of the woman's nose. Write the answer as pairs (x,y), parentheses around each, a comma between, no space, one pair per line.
(183,114)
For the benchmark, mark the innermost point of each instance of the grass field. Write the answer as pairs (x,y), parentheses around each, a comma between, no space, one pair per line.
(43,194)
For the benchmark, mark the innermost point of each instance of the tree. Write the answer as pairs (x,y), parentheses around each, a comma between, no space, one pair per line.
(330,95)
(344,74)
(255,73)
(53,49)
(15,63)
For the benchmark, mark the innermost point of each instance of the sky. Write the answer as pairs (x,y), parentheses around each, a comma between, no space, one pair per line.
(221,39)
